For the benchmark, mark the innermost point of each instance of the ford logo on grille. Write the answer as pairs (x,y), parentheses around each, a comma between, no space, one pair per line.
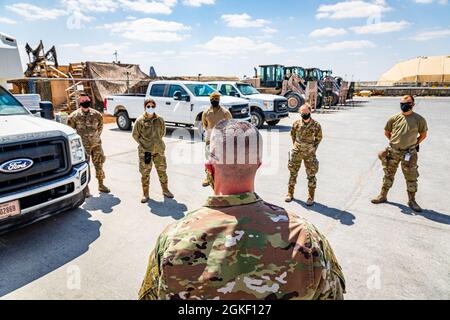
(17,165)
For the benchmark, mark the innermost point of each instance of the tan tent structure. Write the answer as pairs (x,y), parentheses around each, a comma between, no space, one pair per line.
(430,70)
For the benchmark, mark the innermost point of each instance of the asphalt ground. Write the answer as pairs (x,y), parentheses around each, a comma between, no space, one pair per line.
(100,251)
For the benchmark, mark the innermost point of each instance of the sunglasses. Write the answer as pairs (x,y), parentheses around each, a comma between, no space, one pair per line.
(151,106)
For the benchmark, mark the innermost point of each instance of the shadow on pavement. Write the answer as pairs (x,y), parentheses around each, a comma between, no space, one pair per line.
(168,208)
(30,253)
(428,214)
(105,203)
(344,217)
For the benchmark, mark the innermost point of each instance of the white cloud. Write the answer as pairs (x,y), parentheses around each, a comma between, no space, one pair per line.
(149,30)
(339,46)
(33,13)
(244,21)
(149,7)
(198,3)
(239,45)
(431,35)
(7,21)
(443,2)
(327,32)
(90,5)
(353,9)
(381,27)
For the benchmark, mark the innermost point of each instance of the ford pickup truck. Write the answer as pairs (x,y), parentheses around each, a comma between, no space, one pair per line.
(178,102)
(263,107)
(43,169)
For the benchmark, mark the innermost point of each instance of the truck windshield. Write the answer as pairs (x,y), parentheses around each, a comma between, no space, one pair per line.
(247,89)
(9,105)
(200,90)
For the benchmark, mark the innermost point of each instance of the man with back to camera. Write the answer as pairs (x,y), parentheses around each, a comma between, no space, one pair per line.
(405,131)
(238,247)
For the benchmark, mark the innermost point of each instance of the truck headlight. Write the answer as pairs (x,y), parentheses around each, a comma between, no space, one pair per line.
(268,104)
(77,152)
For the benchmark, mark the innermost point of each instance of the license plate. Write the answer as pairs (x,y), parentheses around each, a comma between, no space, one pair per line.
(9,209)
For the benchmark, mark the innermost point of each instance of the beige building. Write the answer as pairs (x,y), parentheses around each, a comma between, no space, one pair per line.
(429,70)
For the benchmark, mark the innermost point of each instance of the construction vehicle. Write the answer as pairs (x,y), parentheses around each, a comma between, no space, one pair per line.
(279,80)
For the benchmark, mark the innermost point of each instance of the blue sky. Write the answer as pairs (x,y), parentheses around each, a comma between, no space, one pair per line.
(359,39)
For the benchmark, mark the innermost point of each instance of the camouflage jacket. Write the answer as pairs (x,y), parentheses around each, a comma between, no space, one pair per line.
(241,248)
(149,133)
(88,125)
(306,135)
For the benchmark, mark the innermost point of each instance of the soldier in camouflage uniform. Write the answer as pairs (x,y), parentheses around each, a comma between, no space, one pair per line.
(149,131)
(89,125)
(405,131)
(238,247)
(210,118)
(306,136)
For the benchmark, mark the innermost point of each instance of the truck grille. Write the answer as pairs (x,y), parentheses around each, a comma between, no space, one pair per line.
(50,158)
(281,105)
(236,111)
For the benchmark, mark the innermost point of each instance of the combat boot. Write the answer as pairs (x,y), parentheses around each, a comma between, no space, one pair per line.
(146,194)
(382,198)
(102,188)
(205,183)
(290,195)
(166,192)
(310,202)
(412,202)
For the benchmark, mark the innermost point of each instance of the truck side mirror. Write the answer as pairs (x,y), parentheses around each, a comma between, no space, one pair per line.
(177,96)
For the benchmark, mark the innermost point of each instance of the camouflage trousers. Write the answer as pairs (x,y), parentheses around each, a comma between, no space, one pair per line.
(391,159)
(160,162)
(311,166)
(98,158)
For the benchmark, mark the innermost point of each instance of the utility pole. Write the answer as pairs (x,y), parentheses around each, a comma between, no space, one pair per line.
(116,54)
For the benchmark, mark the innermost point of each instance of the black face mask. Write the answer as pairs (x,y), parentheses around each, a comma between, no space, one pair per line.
(406,107)
(86,104)
(306,116)
(215,103)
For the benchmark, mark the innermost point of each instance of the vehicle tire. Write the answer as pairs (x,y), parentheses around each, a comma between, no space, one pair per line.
(123,121)
(257,119)
(335,101)
(273,123)
(294,102)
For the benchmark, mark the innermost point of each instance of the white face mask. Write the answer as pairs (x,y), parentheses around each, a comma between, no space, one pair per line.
(150,111)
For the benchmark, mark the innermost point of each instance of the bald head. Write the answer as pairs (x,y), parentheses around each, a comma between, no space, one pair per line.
(306,108)
(236,149)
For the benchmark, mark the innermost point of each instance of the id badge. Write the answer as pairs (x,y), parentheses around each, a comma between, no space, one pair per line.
(408,157)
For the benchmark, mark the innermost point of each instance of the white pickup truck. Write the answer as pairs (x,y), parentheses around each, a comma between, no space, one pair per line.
(264,107)
(43,169)
(178,102)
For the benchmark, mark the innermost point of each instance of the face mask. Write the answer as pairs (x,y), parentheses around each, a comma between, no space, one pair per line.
(215,103)
(306,116)
(406,107)
(86,104)
(150,111)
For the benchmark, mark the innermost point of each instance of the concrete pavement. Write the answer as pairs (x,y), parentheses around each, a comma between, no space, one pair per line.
(100,251)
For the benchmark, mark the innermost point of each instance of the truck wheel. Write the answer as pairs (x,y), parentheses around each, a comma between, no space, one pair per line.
(257,119)
(273,123)
(123,121)
(294,102)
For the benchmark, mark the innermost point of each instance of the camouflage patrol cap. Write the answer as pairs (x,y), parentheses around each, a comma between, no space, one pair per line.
(215,96)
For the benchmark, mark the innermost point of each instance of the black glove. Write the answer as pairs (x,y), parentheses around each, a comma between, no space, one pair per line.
(148,158)
(418,148)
